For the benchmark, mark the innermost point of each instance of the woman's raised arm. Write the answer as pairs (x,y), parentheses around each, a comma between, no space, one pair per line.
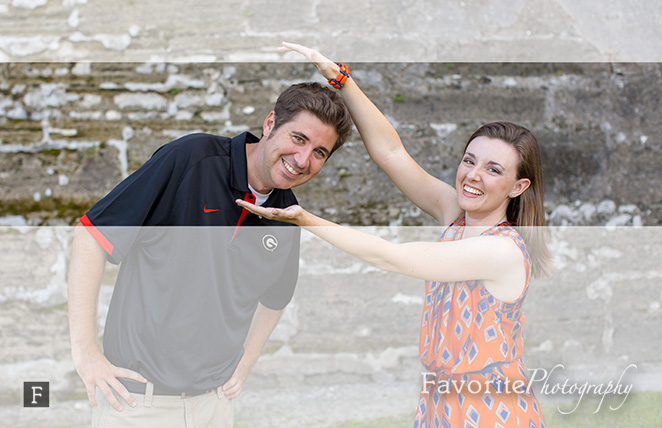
(385,147)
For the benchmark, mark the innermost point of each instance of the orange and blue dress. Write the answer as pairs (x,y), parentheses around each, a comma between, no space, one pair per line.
(471,347)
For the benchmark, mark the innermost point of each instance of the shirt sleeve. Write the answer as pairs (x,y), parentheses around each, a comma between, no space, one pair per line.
(145,198)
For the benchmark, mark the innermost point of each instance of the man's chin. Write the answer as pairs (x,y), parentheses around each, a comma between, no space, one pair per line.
(289,183)
(292,185)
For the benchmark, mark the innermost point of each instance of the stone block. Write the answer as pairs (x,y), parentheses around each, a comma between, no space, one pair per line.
(57,183)
(351,313)
(34,265)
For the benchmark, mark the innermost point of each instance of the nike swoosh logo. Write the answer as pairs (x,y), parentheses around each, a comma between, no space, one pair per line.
(207,210)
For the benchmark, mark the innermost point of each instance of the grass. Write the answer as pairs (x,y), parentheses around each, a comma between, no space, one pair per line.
(392,422)
(640,410)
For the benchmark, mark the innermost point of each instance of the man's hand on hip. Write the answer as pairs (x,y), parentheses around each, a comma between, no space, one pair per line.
(96,371)
(233,387)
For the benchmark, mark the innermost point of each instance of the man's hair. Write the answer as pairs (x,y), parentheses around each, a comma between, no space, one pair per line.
(318,100)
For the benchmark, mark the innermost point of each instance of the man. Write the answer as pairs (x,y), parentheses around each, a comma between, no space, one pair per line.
(193,307)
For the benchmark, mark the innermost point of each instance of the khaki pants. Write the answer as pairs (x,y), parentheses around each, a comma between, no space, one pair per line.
(210,410)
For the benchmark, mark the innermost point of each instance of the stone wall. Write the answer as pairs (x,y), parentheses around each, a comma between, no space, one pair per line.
(347,344)
(70,131)
(384,30)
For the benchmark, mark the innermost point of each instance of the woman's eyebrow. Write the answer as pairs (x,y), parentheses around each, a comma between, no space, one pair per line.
(492,163)
(496,164)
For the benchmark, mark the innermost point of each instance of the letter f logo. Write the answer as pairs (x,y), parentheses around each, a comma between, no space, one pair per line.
(35,394)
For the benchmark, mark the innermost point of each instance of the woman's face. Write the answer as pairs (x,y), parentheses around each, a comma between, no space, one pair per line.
(486,178)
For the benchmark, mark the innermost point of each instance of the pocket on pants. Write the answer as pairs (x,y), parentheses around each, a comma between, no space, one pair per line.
(101,411)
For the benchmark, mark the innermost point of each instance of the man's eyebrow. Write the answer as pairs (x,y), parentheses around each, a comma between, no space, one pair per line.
(301,134)
(325,150)
(305,137)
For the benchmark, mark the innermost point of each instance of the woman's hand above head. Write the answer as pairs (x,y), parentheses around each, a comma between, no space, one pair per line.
(328,68)
(293,214)
(385,147)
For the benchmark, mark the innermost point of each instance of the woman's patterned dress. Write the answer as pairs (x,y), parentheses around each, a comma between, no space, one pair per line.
(471,347)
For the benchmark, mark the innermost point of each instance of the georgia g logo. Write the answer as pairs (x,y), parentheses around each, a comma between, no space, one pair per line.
(269,242)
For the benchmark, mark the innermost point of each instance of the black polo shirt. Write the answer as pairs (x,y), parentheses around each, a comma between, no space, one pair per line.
(185,295)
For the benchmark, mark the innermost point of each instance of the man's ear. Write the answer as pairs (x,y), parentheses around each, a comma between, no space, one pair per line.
(269,124)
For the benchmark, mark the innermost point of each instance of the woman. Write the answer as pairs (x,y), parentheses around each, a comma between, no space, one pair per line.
(477,275)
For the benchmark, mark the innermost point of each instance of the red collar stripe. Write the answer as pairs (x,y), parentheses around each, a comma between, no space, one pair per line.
(249,197)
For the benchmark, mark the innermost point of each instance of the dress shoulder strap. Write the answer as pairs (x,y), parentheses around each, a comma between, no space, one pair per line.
(506,230)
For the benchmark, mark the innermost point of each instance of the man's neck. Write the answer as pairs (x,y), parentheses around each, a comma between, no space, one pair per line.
(252,170)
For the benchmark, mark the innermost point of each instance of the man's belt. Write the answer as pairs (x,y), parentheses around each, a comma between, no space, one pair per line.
(139,388)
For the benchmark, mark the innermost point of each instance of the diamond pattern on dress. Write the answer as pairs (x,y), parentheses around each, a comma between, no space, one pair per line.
(467,335)
(502,412)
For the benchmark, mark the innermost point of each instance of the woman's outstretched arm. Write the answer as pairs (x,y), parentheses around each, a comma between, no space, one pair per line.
(495,260)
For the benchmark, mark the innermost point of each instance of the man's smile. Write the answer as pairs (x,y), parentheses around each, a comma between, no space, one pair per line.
(290,168)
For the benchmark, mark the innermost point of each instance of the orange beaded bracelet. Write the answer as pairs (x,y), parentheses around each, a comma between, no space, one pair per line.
(342,77)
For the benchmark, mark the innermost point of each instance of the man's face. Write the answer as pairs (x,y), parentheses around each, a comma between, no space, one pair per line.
(290,155)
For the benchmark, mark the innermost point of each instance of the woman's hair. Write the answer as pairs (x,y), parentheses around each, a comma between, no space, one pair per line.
(525,211)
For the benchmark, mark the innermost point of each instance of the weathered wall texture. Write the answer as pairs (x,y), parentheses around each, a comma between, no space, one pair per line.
(70,131)
(374,30)
(347,344)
